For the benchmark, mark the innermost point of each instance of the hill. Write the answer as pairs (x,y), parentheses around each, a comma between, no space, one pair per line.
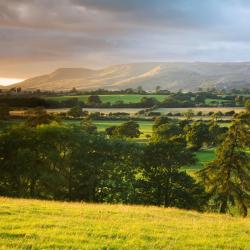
(33,224)
(172,76)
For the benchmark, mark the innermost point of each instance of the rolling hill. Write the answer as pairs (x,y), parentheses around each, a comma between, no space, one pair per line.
(172,76)
(34,224)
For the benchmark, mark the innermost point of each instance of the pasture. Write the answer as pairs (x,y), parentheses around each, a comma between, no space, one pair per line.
(33,224)
(133,98)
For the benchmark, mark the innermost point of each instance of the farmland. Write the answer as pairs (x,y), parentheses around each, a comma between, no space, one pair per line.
(33,224)
(133,98)
(133,111)
(204,110)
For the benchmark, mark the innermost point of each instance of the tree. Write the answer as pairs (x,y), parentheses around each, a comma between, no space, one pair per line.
(216,133)
(157,89)
(140,90)
(88,126)
(189,114)
(110,131)
(217,115)
(75,111)
(162,161)
(247,105)
(160,121)
(197,135)
(20,164)
(73,90)
(4,112)
(119,182)
(130,129)
(148,102)
(39,116)
(167,131)
(227,177)
(94,100)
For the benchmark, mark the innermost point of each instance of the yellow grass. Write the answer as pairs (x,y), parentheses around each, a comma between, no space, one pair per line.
(33,224)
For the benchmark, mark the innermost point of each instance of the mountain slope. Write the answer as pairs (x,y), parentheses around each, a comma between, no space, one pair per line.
(34,224)
(172,76)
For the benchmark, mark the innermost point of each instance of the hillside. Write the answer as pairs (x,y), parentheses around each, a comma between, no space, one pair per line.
(33,224)
(172,76)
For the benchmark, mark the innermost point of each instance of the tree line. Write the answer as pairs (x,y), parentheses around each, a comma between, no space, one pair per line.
(68,163)
(45,159)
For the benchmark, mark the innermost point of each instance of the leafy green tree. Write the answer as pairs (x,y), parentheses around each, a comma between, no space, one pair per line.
(216,133)
(247,105)
(167,131)
(157,89)
(39,116)
(4,112)
(110,131)
(189,114)
(227,177)
(19,162)
(197,135)
(216,116)
(140,90)
(94,100)
(160,121)
(162,161)
(75,111)
(170,102)
(119,182)
(130,129)
(88,126)
(148,102)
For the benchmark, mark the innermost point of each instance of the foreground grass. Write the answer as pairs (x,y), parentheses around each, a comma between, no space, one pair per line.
(33,224)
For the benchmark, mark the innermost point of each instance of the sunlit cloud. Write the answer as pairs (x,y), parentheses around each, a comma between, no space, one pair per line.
(39,36)
(8,81)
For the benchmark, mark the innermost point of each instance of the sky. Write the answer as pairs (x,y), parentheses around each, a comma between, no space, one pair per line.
(39,36)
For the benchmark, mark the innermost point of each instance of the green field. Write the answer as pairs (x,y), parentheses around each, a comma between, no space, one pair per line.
(109,98)
(145,126)
(33,224)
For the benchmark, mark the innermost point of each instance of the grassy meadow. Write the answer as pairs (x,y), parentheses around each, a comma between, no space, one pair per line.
(33,224)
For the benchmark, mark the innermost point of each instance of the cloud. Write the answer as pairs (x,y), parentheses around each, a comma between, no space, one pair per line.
(39,34)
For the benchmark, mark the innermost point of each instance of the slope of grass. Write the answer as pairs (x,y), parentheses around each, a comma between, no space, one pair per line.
(33,224)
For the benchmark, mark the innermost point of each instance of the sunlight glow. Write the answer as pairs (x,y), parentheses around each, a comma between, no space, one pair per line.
(8,81)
